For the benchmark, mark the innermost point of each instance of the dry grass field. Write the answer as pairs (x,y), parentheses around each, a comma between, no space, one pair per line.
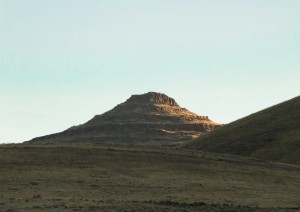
(136,178)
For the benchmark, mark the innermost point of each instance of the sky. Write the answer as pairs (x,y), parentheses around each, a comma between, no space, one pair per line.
(64,61)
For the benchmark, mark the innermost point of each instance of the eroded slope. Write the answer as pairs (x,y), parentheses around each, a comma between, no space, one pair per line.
(151,118)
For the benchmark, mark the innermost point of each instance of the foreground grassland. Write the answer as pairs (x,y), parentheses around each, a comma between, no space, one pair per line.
(112,178)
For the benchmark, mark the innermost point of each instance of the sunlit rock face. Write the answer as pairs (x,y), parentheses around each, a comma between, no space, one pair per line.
(151,118)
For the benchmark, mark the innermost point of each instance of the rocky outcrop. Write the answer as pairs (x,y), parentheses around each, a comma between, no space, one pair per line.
(152,98)
(151,118)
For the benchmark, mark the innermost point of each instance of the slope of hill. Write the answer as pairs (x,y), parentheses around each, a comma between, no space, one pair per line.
(102,177)
(271,134)
(151,118)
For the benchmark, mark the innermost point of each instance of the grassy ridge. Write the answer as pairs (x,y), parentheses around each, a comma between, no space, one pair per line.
(271,134)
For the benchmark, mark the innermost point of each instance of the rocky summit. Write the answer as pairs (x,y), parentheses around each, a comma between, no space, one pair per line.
(151,118)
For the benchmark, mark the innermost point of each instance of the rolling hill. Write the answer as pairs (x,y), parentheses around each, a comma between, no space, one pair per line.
(271,134)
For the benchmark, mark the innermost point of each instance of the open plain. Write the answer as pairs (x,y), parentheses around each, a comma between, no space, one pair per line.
(102,177)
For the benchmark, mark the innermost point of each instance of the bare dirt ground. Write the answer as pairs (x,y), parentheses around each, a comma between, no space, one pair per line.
(136,178)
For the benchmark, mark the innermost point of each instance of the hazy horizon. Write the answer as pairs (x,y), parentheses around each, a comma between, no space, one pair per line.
(63,61)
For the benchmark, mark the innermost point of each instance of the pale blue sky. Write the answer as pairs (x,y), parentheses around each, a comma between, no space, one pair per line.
(63,61)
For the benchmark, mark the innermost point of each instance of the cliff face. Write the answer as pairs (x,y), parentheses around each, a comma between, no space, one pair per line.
(152,98)
(152,118)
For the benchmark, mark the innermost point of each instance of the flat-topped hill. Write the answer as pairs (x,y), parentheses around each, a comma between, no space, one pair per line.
(152,118)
